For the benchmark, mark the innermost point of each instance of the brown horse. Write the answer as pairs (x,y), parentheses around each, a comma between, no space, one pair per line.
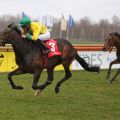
(29,59)
(113,40)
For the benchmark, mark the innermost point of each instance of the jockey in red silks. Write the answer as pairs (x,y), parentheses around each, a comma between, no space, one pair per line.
(35,31)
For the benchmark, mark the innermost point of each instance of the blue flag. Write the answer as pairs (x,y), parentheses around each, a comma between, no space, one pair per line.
(70,22)
(23,15)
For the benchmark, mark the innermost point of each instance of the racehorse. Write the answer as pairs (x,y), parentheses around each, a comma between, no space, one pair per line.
(29,59)
(111,41)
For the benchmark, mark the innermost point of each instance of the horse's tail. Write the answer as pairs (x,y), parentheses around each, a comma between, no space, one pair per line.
(85,65)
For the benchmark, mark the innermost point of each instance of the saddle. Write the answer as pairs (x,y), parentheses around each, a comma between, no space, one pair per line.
(54,51)
(53,46)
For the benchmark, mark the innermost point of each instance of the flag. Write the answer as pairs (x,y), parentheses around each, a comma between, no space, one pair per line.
(44,20)
(47,21)
(70,21)
(63,24)
(23,15)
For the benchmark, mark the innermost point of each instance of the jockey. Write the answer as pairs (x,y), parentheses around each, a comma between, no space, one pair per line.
(35,31)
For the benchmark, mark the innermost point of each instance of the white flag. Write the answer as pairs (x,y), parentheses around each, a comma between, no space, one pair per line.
(63,24)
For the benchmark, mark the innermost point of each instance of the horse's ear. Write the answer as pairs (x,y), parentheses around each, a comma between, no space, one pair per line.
(14,26)
(10,25)
(115,33)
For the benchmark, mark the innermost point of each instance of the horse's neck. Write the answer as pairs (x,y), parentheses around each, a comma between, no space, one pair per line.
(22,53)
(117,44)
(21,48)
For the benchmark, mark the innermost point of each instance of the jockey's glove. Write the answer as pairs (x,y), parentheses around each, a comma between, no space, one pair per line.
(29,36)
(23,36)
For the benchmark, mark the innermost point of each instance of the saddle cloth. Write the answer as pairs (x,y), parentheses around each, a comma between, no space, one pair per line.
(52,45)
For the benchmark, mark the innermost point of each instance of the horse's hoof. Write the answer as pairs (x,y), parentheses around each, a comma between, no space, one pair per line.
(18,87)
(37,92)
(96,69)
(56,90)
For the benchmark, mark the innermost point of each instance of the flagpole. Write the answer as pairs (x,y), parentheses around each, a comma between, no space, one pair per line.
(60,33)
(69,25)
(63,26)
(68,33)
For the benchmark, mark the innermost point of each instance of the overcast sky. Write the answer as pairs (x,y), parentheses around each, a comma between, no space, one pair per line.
(95,9)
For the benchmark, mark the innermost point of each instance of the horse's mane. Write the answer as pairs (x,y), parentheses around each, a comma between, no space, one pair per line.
(14,26)
(9,25)
(116,34)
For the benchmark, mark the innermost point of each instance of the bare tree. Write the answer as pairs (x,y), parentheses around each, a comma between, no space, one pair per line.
(83,29)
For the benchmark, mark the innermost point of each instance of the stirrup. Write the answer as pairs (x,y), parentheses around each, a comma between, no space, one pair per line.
(47,51)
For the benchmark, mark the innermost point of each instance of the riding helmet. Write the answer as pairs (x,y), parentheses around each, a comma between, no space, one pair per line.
(25,21)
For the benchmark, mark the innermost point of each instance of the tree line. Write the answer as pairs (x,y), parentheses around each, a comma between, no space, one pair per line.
(83,29)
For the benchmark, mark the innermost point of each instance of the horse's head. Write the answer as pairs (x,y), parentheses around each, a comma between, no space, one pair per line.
(7,35)
(110,41)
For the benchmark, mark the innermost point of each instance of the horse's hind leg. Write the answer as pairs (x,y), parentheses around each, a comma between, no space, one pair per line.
(17,71)
(118,71)
(67,76)
(109,70)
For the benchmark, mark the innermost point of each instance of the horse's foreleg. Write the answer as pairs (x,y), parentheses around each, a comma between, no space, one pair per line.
(67,76)
(18,71)
(118,71)
(36,79)
(109,70)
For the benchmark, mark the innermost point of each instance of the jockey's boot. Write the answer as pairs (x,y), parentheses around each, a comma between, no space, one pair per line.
(45,48)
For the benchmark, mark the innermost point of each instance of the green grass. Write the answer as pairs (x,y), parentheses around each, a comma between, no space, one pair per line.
(86,42)
(85,96)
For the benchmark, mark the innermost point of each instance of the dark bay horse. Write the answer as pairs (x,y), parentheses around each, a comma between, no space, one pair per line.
(113,40)
(29,59)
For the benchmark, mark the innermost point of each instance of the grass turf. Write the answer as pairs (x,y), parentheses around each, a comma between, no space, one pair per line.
(85,96)
(87,42)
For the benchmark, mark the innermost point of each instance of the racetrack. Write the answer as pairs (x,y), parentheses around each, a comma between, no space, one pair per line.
(86,96)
